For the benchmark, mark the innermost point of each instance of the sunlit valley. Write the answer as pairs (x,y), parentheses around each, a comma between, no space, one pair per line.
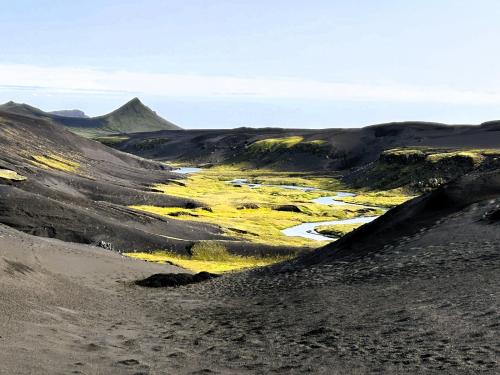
(249,187)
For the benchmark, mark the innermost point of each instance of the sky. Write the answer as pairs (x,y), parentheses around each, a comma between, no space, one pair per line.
(231,63)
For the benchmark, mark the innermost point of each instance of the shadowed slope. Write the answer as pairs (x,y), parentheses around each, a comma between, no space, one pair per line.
(416,291)
(305,149)
(77,190)
(60,302)
(409,218)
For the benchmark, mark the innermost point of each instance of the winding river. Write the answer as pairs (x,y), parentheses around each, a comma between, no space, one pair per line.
(308,230)
(305,230)
(187,170)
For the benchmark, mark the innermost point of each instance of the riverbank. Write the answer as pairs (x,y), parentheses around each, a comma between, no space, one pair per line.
(267,207)
(260,208)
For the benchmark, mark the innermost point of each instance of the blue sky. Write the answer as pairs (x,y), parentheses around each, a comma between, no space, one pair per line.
(295,63)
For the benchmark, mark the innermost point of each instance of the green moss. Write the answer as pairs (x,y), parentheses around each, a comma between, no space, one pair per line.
(404,152)
(274,144)
(11,175)
(389,198)
(209,250)
(475,157)
(338,230)
(262,223)
(422,168)
(112,140)
(209,256)
(53,161)
(289,144)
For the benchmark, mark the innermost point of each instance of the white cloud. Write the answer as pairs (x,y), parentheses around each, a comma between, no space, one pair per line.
(59,80)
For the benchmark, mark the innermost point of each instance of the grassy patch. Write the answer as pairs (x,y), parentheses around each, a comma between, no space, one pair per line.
(407,152)
(54,161)
(272,177)
(475,157)
(437,155)
(423,168)
(209,250)
(111,140)
(209,256)
(11,175)
(338,230)
(250,214)
(295,143)
(388,199)
(274,144)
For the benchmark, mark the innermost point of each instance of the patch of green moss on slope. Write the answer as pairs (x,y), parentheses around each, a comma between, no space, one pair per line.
(11,175)
(421,168)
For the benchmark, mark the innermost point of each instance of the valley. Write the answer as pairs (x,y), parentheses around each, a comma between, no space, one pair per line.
(249,187)
(286,251)
(266,207)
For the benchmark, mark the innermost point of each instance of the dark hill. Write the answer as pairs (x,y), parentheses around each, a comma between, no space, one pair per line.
(56,184)
(130,118)
(324,149)
(416,291)
(415,217)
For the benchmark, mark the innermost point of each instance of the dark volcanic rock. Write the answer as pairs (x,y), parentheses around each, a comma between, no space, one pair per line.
(248,206)
(287,208)
(162,280)
(493,216)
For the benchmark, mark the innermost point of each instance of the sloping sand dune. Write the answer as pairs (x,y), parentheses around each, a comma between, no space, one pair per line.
(425,301)
(67,307)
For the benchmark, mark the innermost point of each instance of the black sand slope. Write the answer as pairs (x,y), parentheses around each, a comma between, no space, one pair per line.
(339,149)
(61,304)
(78,190)
(132,117)
(412,217)
(417,291)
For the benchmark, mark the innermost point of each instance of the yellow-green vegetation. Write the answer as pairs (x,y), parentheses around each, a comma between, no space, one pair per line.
(405,152)
(112,139)
(423,168)
(388,198)
(209,256)
(287,143)
(54,161)
(11,175)
(271,177)
(272,144)
(253,214)
(436,155)
(476,157)
(337,230)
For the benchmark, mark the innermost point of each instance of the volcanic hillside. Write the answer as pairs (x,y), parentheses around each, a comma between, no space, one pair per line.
(415,291)
(302,149)
(56,184)
(130,118)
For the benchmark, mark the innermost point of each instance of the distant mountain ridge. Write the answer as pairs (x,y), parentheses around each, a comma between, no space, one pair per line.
(70,113)
(132,117)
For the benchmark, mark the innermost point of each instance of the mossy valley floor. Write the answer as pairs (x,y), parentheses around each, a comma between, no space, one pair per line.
(259,214)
